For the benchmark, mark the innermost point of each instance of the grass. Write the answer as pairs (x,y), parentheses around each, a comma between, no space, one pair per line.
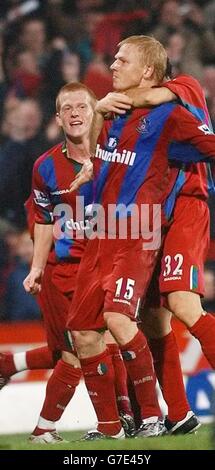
(200,441)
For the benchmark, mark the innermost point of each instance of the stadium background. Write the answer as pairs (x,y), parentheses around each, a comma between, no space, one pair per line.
(43,45)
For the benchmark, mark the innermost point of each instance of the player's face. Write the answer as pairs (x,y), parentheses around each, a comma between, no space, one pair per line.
(76,113)
(127,69)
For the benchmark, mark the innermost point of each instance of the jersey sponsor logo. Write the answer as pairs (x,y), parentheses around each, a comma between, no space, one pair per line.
(60,191)
(126,157)
(79,226)
(41,198)
(143,125)
(204,128)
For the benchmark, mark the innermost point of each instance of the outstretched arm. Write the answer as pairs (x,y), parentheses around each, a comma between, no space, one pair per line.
(146,97)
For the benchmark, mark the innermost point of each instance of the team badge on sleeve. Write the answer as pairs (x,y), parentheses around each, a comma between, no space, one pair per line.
(41,198)
(204,128)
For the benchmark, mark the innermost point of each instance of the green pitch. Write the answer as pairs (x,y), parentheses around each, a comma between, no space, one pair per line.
(200,441)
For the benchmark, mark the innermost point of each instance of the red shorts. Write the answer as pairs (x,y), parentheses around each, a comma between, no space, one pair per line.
(181,262)
(54,300)
(113,276)
(185,247)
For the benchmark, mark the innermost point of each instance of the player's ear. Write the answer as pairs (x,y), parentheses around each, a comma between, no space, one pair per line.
(58,119)
(148,71)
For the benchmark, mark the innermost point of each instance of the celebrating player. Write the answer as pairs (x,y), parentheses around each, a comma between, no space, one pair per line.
(130,167)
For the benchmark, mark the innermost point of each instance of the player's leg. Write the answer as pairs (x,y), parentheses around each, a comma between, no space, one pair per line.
(164,349)
(60,389)
(187,307)
(121,388)
(156,323)
(124,291)
(99,375)
(38,358)
(11,363)
(182,271)
(86,323)
(67,372)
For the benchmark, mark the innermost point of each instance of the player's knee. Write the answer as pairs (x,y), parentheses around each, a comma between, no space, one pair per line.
(186,306)
(82,338)
(121,327)
(88,343)
(177,306)
(156,323)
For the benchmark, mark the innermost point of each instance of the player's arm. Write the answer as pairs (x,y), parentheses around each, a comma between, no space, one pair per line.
(190,140)
(83,176)
(43,232)
(184,88)
(188,91)
(146,97)
(86,172)
(43,237)
(113,102)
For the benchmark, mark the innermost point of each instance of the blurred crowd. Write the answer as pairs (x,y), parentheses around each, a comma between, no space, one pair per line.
(47,43)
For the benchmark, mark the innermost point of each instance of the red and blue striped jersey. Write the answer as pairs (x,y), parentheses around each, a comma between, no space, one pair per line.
(53,203)
(194,180)
(131,159)
(191,96)
(30,213)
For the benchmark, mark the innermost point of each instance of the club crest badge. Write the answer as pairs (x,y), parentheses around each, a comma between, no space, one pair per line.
(143,125)
(112,143)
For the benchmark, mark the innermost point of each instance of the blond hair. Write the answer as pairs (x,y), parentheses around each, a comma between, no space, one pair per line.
(75,86)
(151,52)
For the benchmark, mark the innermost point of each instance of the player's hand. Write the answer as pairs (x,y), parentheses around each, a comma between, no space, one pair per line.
(32,283)
(114,103)
(85,175)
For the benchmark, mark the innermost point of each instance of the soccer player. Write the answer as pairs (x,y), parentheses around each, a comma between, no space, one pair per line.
(186,243)
(52,171)
(164,349)
(51,176)
(130,166)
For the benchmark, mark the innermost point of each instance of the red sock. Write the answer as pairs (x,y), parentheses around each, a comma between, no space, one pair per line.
(60,389)
(168,370)
(99,379)
(204,331)
(138,362)
(121,388)
(40,358)
(134,404)
(7,366)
